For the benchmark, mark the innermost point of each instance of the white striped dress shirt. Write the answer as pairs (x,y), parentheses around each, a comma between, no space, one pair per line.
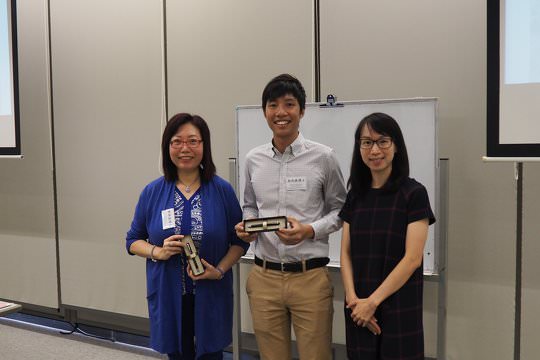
(304,182)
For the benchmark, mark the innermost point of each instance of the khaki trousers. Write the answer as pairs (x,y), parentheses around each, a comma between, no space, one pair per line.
(303,298)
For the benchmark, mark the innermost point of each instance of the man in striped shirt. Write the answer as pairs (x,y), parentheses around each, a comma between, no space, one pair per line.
(301,179)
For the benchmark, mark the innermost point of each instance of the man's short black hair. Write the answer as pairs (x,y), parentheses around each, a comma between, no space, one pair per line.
(281,85)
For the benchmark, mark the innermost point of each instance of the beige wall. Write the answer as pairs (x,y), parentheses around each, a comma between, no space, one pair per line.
(424,48)
(530,314)
(27,239)
(220,54)
(108,112)
(107,86)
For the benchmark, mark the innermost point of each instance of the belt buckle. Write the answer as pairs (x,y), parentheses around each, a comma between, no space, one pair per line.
(282,267)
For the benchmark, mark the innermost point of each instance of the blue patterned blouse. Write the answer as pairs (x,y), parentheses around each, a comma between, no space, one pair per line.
(188,220)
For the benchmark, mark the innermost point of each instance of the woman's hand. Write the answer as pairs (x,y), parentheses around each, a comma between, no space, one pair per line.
(242,234)
(210,272)
(362,311)
(373,326)
(171,246)
(350,300)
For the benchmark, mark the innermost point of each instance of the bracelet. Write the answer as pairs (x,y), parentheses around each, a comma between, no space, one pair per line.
(221,272)
(152,253)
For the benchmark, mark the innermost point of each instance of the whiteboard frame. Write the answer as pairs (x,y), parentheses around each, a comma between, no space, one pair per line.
(431,266)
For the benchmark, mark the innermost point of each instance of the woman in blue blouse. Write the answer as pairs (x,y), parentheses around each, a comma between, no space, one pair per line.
(189,199)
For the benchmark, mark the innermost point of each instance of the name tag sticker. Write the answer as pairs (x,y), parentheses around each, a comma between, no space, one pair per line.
(296,183)
(167,218)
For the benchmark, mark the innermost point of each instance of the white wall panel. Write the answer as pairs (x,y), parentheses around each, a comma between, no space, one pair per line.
(530,315)
(222,54)
(388,49)
(107,79)
(27,238)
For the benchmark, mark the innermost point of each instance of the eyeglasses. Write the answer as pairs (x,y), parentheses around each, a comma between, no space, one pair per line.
(191,143)
(382,143)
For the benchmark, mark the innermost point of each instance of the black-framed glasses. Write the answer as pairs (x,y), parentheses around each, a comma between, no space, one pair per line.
(191,143)
(382,143)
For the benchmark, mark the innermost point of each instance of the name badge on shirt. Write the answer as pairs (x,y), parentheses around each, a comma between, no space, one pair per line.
(296,183)
(167,218)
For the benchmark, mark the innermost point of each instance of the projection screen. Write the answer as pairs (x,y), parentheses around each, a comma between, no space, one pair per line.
(9,103)
(513,88)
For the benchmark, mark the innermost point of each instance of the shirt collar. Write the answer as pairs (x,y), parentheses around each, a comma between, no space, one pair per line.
(295,148)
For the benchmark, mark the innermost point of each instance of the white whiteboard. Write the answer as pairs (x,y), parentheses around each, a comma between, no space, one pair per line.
(335,127)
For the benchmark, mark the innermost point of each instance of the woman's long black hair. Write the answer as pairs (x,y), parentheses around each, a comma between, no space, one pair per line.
(360,179)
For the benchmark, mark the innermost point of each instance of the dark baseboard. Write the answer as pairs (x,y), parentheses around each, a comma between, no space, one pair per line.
(248,345)
(132,330)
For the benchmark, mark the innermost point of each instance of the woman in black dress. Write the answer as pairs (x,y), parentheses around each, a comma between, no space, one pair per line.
(386,218)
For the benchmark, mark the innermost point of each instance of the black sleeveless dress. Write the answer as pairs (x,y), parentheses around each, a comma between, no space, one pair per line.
(378,227)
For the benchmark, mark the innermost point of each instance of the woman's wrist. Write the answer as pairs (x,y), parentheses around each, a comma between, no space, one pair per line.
(221,272)
(350,296)
(373,301)
(152,255)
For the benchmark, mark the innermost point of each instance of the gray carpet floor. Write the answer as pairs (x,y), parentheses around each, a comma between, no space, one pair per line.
(23,341)
(26,341)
